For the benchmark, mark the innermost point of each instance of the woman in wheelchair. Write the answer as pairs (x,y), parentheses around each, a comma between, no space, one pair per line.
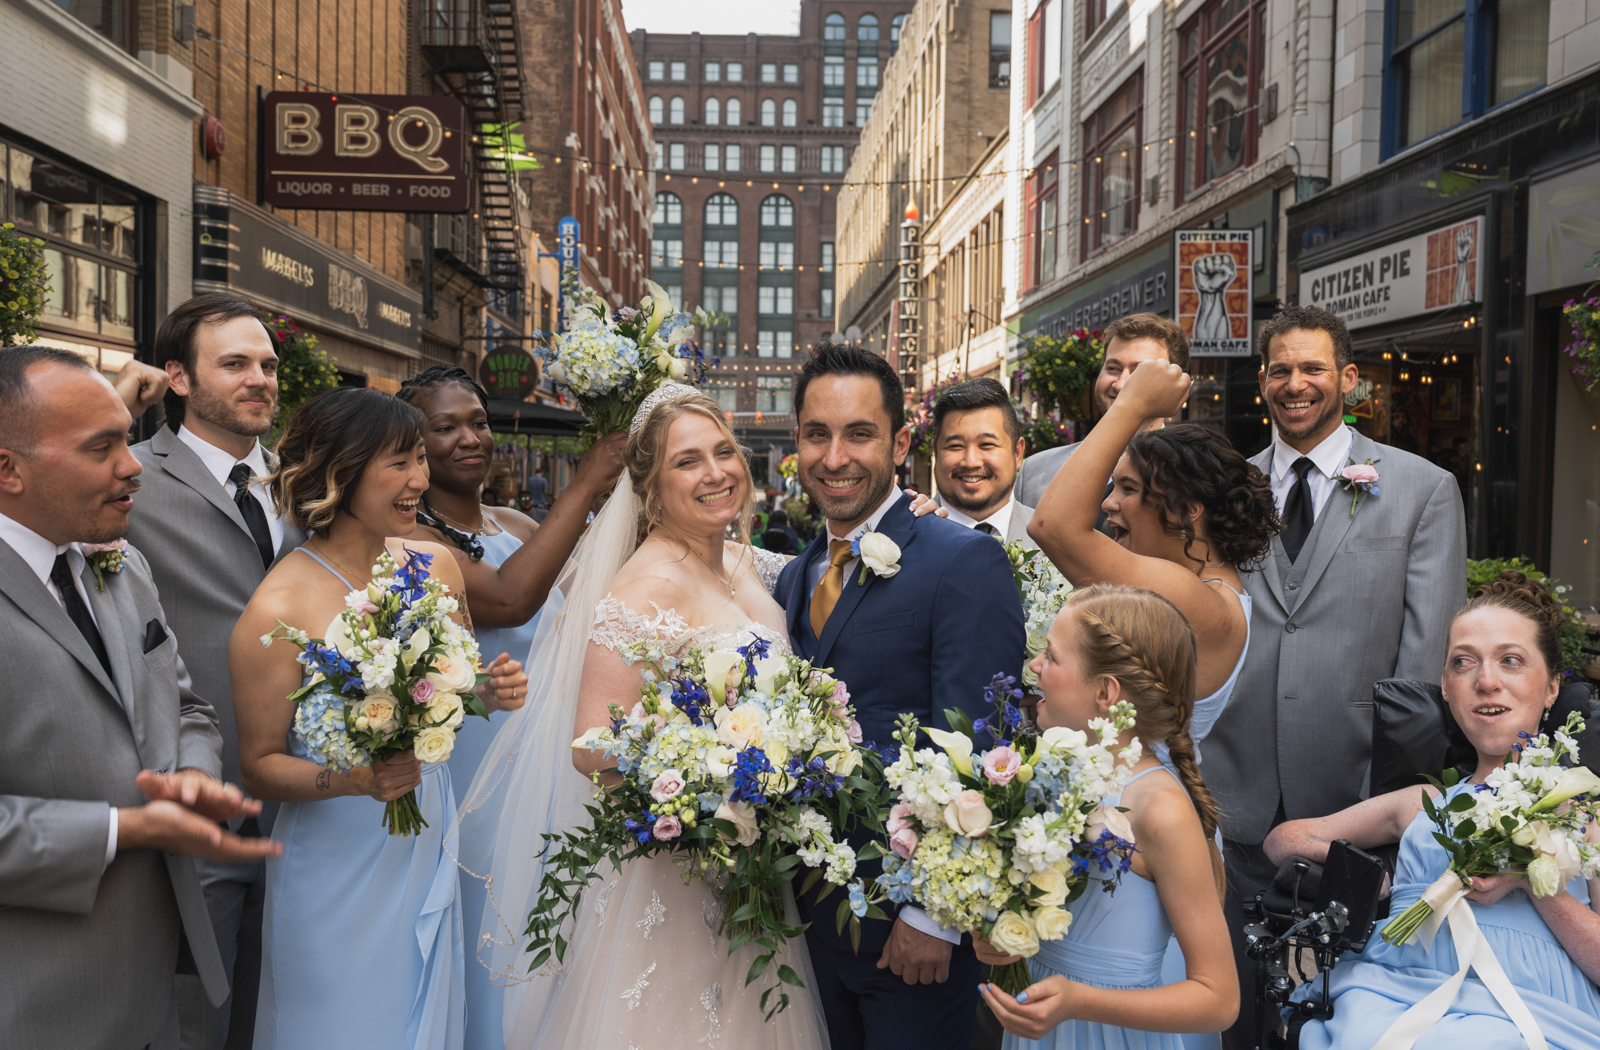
(1501,676)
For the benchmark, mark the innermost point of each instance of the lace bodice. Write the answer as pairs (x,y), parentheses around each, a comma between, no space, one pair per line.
(617,626)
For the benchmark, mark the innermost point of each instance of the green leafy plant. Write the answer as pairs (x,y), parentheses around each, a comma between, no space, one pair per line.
(922,415)
(24,282)
(1584,316)
(1574,630)
(303,370)
(1060,371)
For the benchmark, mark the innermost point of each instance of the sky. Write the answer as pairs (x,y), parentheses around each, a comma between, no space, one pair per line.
(712,16)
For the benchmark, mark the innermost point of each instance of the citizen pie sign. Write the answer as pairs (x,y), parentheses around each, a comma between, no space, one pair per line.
(365,152)
(1419,275)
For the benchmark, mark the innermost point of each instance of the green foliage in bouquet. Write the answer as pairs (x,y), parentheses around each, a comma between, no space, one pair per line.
(24,282)
(1061,370)
(304,371)
(1574,634)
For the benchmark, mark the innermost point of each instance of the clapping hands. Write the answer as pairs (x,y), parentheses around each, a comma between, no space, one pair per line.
(185,815)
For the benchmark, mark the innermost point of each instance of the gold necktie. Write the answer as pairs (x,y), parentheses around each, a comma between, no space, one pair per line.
(826,596)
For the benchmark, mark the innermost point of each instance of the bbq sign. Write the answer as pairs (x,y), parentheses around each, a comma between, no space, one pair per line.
(365,152)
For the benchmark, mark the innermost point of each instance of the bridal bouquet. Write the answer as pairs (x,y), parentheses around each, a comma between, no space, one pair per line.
(395,673)
(612,361)
(1529,813)
(994,842)
(1044,591)
(744,762)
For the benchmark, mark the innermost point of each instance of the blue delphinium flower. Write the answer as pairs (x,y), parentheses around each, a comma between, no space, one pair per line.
(813,778)
(747,770)
(691,698)
(756,650)
(643,828)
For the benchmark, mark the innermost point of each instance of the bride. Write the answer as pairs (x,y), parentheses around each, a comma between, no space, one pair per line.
(646,967)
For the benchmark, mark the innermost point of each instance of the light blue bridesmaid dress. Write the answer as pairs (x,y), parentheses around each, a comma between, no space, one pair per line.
(1115,941)
(484,998)
(1372,989)
(361,938)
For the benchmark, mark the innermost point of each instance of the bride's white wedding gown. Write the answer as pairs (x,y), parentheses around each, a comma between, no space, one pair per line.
(646,968)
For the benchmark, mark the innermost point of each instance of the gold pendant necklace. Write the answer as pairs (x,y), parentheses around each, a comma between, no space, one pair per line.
(728,583)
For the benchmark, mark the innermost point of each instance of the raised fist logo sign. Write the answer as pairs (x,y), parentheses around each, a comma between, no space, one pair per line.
(1466,238)
(1212,276)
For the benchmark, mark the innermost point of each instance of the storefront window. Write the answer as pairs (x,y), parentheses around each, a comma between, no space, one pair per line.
(1575,487)
(1419,396)
(1111,183)
(1216,85)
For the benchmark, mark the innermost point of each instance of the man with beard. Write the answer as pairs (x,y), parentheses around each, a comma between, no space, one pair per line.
(1360,586)
(210,533)
(923,626)
(1128,341)
(108,784)
(977,448)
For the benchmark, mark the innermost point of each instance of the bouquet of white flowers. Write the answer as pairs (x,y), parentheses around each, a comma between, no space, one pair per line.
(995,842)
(1530,813)
(394,674)
(745,762)
(612,361)
(1044,591)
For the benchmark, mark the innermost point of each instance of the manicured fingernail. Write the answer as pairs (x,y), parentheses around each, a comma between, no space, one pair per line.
(1022,997)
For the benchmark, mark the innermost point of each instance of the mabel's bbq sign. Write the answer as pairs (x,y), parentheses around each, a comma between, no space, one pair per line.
(365,152)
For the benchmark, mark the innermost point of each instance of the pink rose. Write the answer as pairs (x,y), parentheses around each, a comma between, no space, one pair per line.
(840,700)
(967,814)
(854,732)
(1360,473)
(422,692)
(660,721)
(903,843)
(99,548)
(667,828)
(668,785)
(897,817)
(1000,765)
(364,607)
(627,313)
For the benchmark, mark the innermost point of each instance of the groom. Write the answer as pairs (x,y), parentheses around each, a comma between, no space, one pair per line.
(923,634)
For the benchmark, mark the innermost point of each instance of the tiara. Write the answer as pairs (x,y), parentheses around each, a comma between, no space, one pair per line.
(661,394)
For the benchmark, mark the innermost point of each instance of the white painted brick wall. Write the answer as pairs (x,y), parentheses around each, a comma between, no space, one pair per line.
(69,88)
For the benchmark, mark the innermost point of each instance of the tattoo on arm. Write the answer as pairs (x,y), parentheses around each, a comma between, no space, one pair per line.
(324,779)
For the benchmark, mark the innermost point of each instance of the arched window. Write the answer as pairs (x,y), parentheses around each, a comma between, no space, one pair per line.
(894,30)
(669,210)
(713,111)
(658,109)
(769,113)
(675,110)
(791,112)
(735,111)
(777,210)
(867,29)
(722,210)
(833,27)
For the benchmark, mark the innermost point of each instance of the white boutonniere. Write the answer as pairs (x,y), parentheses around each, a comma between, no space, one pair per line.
(105,558)
(1358,478)
(878,553)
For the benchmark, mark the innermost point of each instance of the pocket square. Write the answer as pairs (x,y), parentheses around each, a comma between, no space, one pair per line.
(154,635)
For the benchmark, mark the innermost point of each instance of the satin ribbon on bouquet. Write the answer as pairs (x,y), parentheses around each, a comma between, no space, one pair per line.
(1447,898)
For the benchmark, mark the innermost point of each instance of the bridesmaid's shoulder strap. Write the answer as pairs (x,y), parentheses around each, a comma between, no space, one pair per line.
(313,556)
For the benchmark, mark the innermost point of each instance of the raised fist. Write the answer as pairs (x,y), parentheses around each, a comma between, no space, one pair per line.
(1212,275)
(1465,237)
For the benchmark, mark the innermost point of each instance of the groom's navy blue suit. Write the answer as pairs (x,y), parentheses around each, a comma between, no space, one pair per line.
(928,638)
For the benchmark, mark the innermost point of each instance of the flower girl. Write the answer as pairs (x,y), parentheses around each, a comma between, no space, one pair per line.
(1100,986)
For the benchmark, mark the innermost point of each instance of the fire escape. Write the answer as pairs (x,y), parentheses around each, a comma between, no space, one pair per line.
(470,48)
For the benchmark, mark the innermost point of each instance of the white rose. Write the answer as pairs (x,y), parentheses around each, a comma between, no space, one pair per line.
(453,672)
(1544,876)
(741,727)
(880,553)
(1013,934)
(742,816)
(1109,818)
(1051,922)
(447,709)
(379,711)
(434,745)
(722,668)
(1052,886)
(845,759)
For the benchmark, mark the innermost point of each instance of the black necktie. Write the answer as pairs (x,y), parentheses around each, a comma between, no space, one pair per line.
(77,611)
(1299,510)
(984,526)
(250,507)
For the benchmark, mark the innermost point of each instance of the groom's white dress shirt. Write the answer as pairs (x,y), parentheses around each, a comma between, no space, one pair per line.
(999,519)
(220,463)
(915,917)
(40,555)
(1331,455)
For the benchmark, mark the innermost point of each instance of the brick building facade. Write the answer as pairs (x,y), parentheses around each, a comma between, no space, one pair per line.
(752,135)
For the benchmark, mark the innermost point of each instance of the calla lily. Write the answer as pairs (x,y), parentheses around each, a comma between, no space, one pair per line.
(660,307)
(956,745)
(721,666)
(416,647)
(1576,781)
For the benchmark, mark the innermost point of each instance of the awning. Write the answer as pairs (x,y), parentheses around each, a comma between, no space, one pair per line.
(507,416)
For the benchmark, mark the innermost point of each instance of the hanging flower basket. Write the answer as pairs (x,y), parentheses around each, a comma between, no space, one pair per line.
(24,283)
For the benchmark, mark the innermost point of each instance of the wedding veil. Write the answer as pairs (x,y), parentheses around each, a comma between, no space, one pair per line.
(526,786)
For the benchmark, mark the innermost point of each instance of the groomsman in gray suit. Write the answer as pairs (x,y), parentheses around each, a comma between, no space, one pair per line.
(108,777)
(977,447)
(1360,586)
(210,533)
(1128,341)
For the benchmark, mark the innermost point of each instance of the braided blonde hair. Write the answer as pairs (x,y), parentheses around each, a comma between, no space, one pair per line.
(1142,640)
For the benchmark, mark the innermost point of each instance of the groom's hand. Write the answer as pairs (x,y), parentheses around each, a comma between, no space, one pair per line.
(915,956)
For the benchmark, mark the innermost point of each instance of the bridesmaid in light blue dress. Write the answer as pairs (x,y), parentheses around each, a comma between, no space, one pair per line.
(1501,674)
(1111,644)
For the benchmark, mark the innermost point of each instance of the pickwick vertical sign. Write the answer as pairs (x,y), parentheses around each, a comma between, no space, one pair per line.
(365,152)
(1421,274)
(1212,284)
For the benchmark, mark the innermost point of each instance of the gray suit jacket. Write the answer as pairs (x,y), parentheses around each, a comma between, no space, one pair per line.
(88,950)
(206,566)
(1020,516)
(1038,470)
(1370,597)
